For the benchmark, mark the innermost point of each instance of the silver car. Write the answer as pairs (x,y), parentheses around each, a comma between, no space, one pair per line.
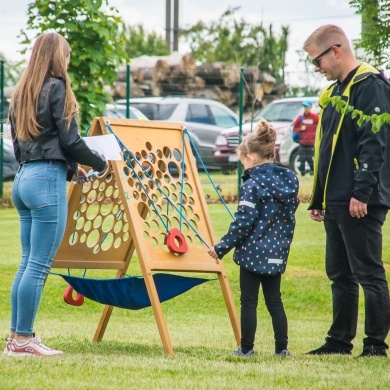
(119,111)
(280,113)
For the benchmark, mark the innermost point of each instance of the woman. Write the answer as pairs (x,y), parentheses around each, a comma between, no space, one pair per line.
(48,146)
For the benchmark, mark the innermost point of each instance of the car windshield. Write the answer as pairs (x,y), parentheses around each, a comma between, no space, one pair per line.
(155,111)
(112,113)
(280,112)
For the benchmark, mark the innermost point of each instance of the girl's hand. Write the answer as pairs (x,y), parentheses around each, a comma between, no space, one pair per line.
(212,253)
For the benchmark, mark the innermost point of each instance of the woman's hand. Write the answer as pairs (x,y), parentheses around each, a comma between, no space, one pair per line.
(81,176)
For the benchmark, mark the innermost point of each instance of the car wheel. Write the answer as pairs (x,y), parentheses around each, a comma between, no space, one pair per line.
(294,161)
(295,164)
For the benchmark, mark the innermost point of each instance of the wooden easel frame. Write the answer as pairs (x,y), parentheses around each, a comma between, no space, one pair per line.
(134,134)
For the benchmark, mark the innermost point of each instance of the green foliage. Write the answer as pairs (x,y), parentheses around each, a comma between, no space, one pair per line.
(311,87)
(12,72)
(139,42)
(94,32)
(306,90)
(235,41)
(377,121)
(375,38)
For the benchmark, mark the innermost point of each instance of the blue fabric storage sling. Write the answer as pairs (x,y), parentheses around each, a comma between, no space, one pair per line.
(130,292)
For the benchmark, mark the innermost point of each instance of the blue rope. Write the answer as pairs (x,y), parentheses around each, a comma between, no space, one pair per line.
(88,128)
(182,179)
(56,273)
(207,173)
(142,185)
(126,150)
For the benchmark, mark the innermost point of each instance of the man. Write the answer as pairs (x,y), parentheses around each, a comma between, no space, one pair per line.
(305,125)
(351,192)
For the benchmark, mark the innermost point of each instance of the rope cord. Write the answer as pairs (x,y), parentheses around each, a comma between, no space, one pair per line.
(207,173)
(88,128)
(182,180)
(128,162)
(57,273)
(125,151)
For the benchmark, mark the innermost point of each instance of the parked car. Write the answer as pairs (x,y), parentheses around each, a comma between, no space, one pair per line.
(119,111)
(10,164)
(289,151)
(204,119)
(280,113)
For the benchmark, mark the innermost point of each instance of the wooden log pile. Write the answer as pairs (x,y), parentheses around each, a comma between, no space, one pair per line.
(179,75)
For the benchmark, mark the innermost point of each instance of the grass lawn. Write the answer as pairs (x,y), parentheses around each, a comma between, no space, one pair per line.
(130,355)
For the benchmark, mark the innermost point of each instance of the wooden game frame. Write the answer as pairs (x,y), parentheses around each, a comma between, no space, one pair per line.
(124,202)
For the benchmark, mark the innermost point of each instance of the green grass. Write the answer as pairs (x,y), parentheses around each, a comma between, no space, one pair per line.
(131,355)
(227,186)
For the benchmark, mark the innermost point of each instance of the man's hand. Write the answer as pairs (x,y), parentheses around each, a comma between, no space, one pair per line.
(316,215)
(357,209)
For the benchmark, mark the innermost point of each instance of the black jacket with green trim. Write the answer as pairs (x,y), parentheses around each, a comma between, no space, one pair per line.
(357,160)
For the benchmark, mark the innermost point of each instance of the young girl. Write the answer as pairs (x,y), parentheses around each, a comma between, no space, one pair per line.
(261,234)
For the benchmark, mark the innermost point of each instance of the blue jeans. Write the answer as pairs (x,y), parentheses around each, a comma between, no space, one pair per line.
(39,195)
(353,258)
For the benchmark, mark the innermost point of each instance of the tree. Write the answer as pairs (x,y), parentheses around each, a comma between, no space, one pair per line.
(139,43)
(12,71)
(95,34)
(375,39)
(235,41)
(309,83)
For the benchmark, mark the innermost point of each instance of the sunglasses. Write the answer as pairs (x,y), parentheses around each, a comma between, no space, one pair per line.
(316,62)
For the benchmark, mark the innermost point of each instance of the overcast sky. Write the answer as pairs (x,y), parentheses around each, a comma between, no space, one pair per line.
(301,16)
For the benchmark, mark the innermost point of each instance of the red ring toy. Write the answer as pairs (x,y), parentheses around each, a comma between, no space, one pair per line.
(68,297)
(176,242)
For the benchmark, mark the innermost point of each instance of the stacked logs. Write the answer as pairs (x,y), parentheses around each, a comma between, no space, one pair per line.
(179,75)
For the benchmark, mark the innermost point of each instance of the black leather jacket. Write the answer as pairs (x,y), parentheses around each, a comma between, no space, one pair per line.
(56,141)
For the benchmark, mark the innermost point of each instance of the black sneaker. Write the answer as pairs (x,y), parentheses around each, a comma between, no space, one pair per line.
(283,353)
(326,350)
(372,350)
(238,352)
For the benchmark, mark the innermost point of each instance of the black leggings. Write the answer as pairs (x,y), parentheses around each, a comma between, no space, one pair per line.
(250,285)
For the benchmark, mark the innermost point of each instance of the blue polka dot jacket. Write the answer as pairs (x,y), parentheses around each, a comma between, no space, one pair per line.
(263,226)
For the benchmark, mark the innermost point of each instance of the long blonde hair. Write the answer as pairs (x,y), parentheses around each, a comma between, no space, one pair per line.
(49,57)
